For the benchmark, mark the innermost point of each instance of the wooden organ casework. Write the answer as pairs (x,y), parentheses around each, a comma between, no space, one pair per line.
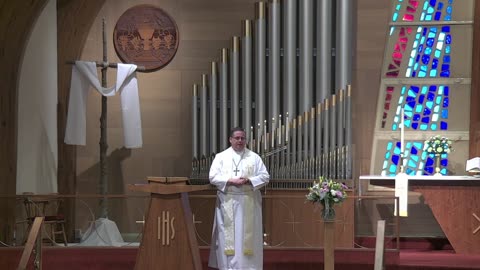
(277,82)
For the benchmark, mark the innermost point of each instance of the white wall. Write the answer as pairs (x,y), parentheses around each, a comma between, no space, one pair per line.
(37,156)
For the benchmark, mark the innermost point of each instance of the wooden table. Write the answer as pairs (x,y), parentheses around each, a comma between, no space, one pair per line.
(455,203)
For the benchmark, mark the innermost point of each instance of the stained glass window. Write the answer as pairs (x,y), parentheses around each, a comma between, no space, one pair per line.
(422,49)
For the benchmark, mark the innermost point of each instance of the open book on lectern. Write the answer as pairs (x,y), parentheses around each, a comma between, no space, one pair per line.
(473,165)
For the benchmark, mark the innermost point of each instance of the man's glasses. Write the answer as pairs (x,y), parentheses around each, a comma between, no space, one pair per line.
(239,138)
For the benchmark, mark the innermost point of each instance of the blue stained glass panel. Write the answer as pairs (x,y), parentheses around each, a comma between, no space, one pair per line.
(446,102)
(445,114)
(411,163)
(430,42)
(444,162)
(448,39)
(395,159)
(425,59)
(429,162)
(429,104)
(421,98)
(445,73)
(443,125)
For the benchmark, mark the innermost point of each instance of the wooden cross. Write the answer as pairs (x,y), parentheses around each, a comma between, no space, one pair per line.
(103,183)
(236,171)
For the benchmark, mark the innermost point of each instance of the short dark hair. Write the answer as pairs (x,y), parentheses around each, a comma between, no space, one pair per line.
(233,130)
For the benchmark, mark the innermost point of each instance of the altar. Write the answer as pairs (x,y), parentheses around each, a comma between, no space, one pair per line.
(454,201)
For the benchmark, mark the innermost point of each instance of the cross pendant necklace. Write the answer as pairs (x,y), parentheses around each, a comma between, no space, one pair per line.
(237,164)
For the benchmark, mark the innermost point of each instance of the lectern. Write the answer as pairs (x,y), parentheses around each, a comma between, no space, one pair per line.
(169,240)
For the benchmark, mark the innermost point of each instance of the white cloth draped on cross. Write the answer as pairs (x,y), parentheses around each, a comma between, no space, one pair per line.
(84,75)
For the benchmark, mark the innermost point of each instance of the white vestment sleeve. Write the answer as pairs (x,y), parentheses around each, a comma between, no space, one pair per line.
(216,175)
(261,176)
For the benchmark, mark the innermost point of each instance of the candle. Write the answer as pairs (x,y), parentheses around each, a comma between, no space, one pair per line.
(287,128)
(265,134)
(259,131)
(402,132)
(273,133)
(279,130)
(251,136)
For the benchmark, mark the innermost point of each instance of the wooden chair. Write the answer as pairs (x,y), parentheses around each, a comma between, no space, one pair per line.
(48,208)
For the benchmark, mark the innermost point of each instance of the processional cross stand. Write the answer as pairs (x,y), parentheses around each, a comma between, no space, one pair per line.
(103,183)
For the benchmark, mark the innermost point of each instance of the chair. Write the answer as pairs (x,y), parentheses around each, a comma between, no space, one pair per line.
(46,207)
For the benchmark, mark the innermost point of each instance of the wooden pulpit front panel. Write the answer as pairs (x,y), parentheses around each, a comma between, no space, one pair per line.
(168,237)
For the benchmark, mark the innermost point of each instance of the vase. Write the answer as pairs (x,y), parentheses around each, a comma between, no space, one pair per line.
(437,166)
(328,212)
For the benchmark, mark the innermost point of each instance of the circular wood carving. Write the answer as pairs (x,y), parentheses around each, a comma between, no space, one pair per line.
(146,36)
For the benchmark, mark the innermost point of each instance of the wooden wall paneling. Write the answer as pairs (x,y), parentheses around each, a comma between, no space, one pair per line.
(16,23)
(474,150)
(290,221)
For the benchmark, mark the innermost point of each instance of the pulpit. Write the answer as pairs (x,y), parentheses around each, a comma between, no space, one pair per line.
(169,239)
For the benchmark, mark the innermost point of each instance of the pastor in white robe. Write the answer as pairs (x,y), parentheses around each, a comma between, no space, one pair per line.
(243,207)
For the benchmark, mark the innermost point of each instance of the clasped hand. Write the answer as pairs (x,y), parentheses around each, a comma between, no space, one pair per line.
(238,181)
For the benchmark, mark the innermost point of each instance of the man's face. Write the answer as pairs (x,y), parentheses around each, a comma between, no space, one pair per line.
(238,141)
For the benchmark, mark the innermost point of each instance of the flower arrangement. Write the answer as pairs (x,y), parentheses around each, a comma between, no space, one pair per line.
(438,145)
(327,192)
